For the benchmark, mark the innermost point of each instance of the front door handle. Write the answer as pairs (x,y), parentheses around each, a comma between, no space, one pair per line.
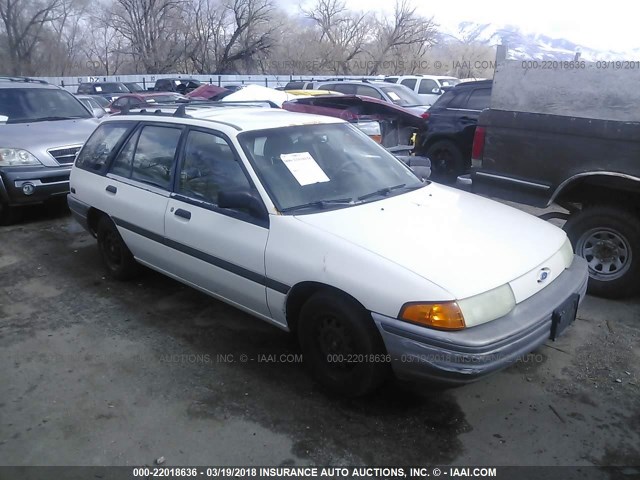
(183,213)
(111,189)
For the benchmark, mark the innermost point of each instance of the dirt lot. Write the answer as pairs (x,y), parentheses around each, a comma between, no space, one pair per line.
(96,372)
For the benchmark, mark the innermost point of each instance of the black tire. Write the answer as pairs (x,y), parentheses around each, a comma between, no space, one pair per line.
(608,237)
(447,161)
(117,258)
(341,345)
(9,215)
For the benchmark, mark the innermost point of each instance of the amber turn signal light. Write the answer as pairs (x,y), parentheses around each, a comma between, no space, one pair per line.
(443,316)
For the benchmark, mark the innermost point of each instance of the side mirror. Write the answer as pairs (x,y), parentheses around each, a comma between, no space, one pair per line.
(3,119)
(436,91)
(421,166)
(99,112)
(243,199)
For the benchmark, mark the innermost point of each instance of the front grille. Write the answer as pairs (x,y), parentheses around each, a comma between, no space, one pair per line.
(65,155)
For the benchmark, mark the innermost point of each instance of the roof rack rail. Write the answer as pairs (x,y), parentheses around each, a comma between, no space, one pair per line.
(23,79)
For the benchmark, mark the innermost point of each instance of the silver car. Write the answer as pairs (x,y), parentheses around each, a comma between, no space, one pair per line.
(42,127)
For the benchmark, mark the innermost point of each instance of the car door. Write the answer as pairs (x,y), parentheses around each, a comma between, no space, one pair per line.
(425,90)
(467,118)
(138,186)
(219,250)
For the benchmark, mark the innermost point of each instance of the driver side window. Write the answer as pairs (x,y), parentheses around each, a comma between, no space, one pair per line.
(209,166)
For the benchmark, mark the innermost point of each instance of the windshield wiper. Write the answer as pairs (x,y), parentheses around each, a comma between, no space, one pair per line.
(319,204)
(383,191)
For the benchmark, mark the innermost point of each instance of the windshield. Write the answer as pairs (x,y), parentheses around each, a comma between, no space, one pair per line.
(449,82)
(111,88)
(401,95)
(310,167)
(134,87)
(39,104)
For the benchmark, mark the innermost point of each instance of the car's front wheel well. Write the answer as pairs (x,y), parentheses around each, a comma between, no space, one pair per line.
(300,293)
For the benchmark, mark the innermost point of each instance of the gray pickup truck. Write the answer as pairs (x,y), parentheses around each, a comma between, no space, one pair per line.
(569,137)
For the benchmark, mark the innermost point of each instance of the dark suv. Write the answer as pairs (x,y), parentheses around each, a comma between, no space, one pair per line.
(42,127)
(178,85)
(451,124)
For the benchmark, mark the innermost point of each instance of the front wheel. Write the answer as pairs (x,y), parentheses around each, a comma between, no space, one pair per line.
(341,345)
(608,238)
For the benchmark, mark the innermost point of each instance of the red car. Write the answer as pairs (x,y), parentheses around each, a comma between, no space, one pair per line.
(209,92)
(142,100)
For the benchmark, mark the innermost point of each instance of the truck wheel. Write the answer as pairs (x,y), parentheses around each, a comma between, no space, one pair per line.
(116,256)
(341,345)
(8,215)
(609,239)
(447,161)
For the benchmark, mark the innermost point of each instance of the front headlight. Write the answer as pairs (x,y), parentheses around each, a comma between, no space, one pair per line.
(13,157)
(487,306)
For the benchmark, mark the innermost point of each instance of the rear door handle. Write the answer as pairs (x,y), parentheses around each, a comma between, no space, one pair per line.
(183,213)
(111,189)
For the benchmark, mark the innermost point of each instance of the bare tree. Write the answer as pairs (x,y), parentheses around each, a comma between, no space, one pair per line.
(106,49)
(342,33)
(404,32)
(153,28)
(24,23)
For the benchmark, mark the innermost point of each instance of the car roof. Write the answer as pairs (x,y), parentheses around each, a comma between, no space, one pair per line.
(478,83)
(24,82)
(239,117)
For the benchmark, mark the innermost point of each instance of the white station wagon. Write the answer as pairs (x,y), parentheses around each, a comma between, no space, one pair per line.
(305,222)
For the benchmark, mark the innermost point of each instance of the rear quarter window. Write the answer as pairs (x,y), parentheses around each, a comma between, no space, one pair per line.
(101,145)
(479,99)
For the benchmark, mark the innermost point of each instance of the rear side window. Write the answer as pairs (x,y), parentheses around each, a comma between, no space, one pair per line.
(347,89)
(409,82)
(479,99)
(102,143)
(459,99)
(152,161)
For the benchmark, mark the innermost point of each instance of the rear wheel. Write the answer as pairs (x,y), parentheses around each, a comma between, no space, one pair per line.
(447,161)
(116,256)
(609,239)
(341,344)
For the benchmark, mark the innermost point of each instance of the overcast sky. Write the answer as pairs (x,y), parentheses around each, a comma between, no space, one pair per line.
(611,25)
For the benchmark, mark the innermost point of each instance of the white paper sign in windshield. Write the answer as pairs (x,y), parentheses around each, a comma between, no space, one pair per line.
(304,168)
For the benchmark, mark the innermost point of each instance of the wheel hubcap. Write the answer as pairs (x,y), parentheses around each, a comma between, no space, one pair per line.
(335,339)
(607,252)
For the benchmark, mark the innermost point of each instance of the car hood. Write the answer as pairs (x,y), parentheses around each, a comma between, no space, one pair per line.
(464,243)
(38,137)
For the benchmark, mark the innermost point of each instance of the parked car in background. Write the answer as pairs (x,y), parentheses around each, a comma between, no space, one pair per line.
(428,87)
(178,85)
(42,127)
(93,105)
(306,223)
(209,92)
(100,100)
(108,90)
(134,87)
(299,85)
(143,99)
(395,94)
(451,124)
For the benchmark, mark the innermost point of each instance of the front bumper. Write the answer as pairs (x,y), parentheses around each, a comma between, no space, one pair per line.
(458,357)
(43,183)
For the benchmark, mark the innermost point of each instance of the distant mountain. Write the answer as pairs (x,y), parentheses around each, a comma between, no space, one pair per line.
(532,46)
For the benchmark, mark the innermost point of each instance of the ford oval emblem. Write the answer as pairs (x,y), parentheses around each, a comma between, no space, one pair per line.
(543,275)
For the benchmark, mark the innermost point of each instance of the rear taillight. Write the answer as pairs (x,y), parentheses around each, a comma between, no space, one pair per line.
(478,147)
(426,115)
